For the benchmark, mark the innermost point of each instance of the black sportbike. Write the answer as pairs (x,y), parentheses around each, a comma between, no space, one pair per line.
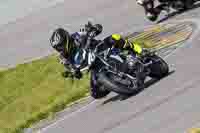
(123,72)
(117,70)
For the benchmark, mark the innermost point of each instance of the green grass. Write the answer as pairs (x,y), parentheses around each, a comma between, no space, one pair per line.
(34,91)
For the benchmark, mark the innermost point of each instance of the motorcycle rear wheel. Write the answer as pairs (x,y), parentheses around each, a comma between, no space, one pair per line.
(159,69)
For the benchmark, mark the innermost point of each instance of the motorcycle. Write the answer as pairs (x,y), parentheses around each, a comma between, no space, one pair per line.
(123,73)
(153,13)
(112,69)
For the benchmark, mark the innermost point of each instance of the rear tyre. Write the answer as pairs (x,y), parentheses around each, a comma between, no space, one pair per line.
(159,69)
(97,90)
(188,4)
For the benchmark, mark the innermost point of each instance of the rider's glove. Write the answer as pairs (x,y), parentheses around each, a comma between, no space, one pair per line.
(78,74)
(66,74)
(75,73)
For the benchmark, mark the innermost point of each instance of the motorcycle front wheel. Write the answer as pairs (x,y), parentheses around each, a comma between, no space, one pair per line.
(97,90)
(119,85)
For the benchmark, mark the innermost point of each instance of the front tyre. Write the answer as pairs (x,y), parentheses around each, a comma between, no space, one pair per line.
(120,86)
(97,91)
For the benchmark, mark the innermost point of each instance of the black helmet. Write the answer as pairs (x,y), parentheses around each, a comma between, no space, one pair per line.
(60,40)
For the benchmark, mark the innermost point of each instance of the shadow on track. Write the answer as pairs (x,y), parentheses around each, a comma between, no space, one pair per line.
(124,97)
(173,14)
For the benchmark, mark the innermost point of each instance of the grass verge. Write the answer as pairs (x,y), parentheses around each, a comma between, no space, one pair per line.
(33,91)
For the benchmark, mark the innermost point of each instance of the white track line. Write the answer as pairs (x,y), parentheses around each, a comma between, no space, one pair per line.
(68,116)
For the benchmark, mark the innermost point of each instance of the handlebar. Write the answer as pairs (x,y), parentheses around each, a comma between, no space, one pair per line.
(93,29)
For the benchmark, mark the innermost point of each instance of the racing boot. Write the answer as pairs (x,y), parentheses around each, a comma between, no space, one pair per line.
(152,16)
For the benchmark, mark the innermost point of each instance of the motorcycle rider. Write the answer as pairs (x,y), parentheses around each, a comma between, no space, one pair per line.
(66,45)
(152,12)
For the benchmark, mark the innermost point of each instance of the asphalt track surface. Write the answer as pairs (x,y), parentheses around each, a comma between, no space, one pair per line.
(170,105)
